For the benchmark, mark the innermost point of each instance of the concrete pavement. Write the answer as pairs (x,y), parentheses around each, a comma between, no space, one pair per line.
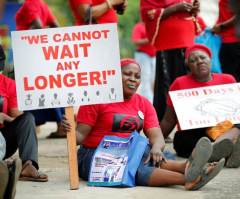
(53,161)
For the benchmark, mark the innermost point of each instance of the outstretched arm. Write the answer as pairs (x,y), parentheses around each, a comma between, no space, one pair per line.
(157,142)
(180,7)
(168,122)
(82,130)
(224,25)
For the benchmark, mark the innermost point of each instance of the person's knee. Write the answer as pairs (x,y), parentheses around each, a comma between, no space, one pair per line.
(28,117)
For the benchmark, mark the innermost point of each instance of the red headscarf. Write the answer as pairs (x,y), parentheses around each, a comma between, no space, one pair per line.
(195,47)
(127,61)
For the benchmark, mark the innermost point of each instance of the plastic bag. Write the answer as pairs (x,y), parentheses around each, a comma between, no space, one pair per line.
(116,161)
(213,42)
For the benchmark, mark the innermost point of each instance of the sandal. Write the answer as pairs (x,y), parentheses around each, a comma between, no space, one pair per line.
(4,175)
(14,172)
(221,149)
(30,173)
(234,159)
(55,135)
(199,157)
(209,172)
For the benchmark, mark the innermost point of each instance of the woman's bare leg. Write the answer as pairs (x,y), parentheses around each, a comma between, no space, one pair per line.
(162,177)
(176,166)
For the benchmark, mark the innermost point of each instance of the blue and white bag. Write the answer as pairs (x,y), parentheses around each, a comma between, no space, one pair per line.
(116,161)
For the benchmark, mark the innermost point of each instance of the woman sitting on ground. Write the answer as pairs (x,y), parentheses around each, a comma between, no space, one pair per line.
(198,59)
(137,113)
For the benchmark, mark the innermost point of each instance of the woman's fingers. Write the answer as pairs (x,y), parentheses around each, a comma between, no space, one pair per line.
(65,124)
(148,159)
(157,158)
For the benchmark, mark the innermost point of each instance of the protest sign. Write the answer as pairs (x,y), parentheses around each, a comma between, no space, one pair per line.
(70,66)
(207,106)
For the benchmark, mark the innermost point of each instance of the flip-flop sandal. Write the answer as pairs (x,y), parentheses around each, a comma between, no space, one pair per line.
(33,175)
(40,177)
(14,172)
(4,175)
(55,135)
(234,159)
(206,176)
(199,157)
(221,149)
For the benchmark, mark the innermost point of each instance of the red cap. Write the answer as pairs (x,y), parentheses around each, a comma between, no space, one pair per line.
(195,47)
(127,61)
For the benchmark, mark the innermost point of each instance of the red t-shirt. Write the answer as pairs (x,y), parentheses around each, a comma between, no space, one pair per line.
(202,25)
(188,82)
(31,10)
(8,92)
(175,31)
(118,119)
(108,17)
(139,32)
(228,35)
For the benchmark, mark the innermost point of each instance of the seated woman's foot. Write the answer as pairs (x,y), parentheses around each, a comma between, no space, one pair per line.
(234,159)
(30,173)
(210,171)
(198,159)
(221,149)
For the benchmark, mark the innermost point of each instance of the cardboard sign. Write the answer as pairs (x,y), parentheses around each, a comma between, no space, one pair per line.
(71,66)
(207,106)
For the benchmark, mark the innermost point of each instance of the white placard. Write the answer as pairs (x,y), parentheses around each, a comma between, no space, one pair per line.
(207,106)
(70,66)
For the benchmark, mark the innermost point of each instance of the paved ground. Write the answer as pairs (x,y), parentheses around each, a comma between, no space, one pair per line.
(53,161)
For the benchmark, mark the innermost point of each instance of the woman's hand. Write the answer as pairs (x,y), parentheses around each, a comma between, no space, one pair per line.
(216,29)
(196,7)
(156,155)
(65,124)
(117,2)
(183,7)
(157,141)
(5,118)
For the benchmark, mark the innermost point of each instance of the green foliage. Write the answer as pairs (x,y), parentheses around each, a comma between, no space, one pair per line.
(126,23)
(61,10)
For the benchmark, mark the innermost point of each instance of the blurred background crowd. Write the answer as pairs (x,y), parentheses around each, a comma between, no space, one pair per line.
(62,12)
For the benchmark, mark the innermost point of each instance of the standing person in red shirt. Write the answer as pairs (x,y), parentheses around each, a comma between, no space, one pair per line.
(35,14)
(171,28)
(230,48)
(145,55)
(97,11)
